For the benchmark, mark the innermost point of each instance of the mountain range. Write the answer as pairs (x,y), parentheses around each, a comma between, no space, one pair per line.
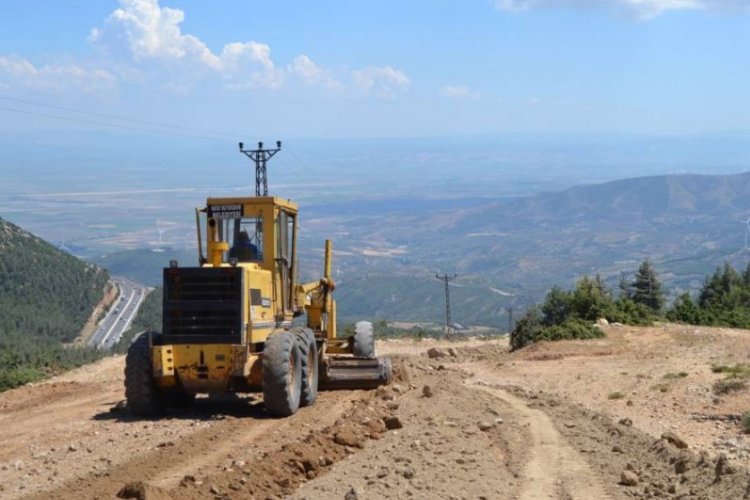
(507,252)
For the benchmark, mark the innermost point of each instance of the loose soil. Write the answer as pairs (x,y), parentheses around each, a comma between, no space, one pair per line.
(566,420)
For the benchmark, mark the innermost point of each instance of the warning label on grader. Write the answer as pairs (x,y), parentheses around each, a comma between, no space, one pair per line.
(225,211)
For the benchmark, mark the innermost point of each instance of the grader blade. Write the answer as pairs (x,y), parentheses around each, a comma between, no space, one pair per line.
(346,372)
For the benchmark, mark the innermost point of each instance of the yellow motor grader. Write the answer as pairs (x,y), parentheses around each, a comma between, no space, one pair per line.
(229,324)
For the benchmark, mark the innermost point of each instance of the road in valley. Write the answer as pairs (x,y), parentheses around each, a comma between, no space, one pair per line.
(120,314)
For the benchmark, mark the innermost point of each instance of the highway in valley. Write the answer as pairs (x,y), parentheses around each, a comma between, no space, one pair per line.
(120,314)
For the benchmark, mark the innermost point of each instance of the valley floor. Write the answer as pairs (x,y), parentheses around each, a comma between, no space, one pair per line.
(556,420)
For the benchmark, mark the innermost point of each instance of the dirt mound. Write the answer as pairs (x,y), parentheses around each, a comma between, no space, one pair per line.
(281,471)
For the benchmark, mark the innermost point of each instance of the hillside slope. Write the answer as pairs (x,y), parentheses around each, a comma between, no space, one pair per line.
(509,251)
(687,225)
(46,296)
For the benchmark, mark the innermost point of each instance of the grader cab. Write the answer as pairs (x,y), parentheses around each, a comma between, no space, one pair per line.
(230,324)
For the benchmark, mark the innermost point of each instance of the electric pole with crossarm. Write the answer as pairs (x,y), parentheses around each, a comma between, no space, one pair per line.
(447,279)
(260,156)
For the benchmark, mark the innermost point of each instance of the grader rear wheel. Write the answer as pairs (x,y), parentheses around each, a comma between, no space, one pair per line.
(309,355)
(282,374)
(142,395)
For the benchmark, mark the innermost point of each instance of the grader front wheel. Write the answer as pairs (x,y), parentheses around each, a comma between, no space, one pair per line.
(282,374)
(364,340)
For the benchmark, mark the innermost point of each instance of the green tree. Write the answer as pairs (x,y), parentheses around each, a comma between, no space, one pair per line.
(646,288)
(590,299)
(684,310)
(557,306)
(527,330)
(624,286)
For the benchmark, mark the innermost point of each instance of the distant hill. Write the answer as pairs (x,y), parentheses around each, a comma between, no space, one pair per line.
(144,264)
(509,251)
(46,296)
(686,224)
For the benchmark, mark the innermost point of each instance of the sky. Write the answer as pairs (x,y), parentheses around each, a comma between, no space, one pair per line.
(390,68)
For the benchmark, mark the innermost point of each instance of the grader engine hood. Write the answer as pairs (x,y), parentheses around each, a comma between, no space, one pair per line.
(203,306)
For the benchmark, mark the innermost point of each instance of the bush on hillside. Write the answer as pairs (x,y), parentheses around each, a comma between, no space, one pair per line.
(569,314)
(530,329)
(724,300)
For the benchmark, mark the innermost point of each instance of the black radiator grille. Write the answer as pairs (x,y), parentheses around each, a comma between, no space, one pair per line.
(202,305)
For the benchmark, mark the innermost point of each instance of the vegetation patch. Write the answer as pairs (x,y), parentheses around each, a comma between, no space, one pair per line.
(738,371)
(675,376)
(745,419)
(615,395)
(570,314)
(46,297)
(734,380)
(726,386)
(724,300)
(660,387)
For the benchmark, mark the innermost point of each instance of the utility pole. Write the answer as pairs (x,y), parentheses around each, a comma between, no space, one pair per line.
(447,279)
(260,156)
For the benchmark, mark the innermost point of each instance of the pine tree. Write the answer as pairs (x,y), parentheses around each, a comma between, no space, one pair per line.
(624,286)
(646,288)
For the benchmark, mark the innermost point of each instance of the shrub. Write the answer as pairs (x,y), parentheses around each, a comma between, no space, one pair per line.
(738,371)
(746,421)
(626,311)
(527,329)
(571,329)
(530,329)
(615,395)
(728,385)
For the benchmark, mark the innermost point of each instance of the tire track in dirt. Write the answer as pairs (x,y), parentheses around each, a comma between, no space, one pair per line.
(554,469)
(243,437)
(204,451)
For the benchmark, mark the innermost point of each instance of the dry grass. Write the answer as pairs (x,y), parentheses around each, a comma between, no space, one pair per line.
(734,379)
(728,385)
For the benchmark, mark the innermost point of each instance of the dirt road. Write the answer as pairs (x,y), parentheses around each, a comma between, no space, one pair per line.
(474,422)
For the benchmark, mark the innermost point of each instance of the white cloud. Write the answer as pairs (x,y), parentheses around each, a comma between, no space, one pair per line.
(145,31)
(312,74)
(643,9)
(459,92)
(16,71)
(383,81)
(152,32)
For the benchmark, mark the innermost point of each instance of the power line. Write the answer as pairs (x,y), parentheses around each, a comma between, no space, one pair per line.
(114,117)
(448,326)
(104,124)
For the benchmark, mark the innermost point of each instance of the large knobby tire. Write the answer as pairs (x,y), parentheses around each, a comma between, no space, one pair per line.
(364,340)
(140,391)
(308,350)
(282,374)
